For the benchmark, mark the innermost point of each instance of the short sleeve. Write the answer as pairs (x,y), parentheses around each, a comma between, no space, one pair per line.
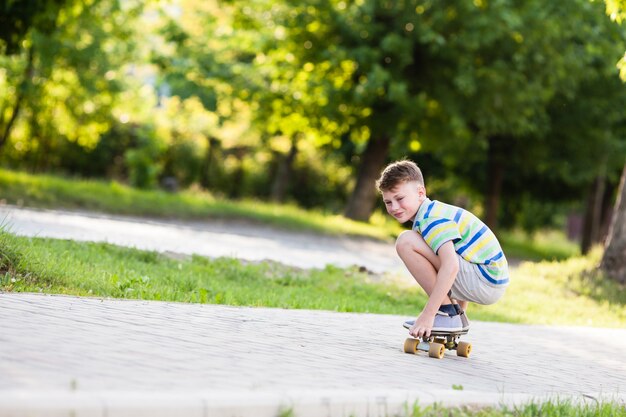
(437,230)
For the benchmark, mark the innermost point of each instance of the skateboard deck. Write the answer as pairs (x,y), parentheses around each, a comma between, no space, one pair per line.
(437,343)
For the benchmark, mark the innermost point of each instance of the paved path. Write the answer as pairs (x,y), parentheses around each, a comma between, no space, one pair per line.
(214,238)
(67,356)
(91,356)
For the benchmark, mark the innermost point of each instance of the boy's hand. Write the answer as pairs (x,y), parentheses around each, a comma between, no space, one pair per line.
(423,325)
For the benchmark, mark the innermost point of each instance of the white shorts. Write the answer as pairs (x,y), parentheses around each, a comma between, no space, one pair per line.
(470,285)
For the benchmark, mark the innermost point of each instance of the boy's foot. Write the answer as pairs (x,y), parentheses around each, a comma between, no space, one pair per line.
(465,321)
(447,323)
(443,323)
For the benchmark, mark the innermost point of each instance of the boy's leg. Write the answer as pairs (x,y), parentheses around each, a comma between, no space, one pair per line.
(420,260)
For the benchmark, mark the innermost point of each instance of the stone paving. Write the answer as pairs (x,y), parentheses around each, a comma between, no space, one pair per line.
(70,344)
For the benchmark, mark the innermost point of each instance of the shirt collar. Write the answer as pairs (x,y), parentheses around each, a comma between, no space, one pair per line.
(421,212)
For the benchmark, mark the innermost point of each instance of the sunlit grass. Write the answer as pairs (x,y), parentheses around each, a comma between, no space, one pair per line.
(549,408)
(99,269)
(546,244)
(48,191)
(570,291)
(556,292)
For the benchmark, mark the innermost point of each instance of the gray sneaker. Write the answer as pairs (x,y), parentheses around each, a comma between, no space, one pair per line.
(443,323)
(465,321)
(447,323)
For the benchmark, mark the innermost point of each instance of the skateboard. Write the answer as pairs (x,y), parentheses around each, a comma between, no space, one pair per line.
(437,343)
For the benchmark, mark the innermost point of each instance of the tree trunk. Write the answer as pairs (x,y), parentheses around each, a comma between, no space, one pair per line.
(21,93)
(236,185)
(607,211)
(206,174)
(495,177)
(593,215)
(40,132)
(614,259)
(363,198)
(284,172)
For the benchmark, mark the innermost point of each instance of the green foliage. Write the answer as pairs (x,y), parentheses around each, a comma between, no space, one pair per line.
(72,84)
(523,69)
(279,99)
(19,17)
(140,160)
(616,9)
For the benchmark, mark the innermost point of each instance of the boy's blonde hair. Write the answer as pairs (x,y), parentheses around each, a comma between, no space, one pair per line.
(399,172)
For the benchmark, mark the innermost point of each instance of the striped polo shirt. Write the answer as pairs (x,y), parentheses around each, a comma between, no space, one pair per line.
(439,223)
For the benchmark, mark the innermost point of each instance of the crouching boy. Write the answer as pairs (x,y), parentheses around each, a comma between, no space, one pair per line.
(451,254)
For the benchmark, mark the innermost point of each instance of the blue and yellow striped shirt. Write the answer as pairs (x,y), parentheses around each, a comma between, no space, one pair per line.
(439,223)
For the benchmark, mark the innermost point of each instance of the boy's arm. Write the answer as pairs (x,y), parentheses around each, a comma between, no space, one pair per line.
(445,278)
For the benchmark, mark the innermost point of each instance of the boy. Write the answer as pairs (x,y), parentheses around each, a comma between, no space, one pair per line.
(451,254)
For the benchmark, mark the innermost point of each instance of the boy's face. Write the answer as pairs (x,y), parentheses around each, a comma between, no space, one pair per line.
(403,201)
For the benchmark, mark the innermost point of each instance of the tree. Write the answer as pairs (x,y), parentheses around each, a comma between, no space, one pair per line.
(70,82)
(467,81)
(614,258)
(241,64)
(369,61)
(19,17)
(530,55)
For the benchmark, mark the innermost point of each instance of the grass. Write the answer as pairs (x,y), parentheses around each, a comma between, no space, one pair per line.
(546,244)
(554,292)
(66,267)
(48,191)
(554,408)
(563,290)
(566,292)
(550,408)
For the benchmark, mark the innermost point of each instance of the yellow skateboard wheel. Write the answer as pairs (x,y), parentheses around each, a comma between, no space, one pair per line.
(464,349)
(436,350)
(410,345)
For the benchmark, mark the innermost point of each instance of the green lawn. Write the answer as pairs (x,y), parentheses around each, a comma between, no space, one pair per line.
(543,245)
(47,191)
(555,292)
(567,292)
(555,408)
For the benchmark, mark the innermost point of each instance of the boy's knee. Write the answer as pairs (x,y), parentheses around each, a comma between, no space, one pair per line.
(406,241)
(410,243)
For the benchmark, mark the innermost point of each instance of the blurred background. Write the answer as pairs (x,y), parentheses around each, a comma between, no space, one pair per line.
(513,109)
